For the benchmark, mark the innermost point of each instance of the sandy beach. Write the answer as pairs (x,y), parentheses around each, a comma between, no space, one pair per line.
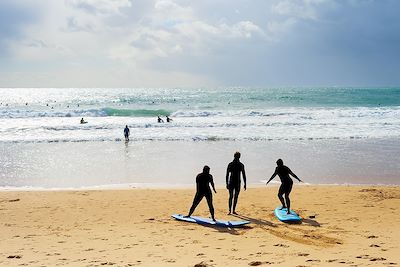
(342,225)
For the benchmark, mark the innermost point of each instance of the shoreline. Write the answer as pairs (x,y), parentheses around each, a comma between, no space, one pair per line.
(138,186)
(134,228)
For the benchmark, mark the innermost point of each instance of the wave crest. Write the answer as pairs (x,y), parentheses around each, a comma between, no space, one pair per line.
(136,112)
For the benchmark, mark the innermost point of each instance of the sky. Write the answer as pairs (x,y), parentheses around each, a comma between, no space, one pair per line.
(182,43)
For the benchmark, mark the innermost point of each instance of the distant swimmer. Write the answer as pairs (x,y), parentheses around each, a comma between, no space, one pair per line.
(287,183)
(169,119)
(159,119)
(83,121)
(126,133)
(233,171)
(203,190)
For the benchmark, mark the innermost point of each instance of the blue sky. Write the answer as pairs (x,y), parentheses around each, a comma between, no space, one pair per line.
(167,43)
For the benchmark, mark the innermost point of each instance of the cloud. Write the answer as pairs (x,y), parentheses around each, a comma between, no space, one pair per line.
(105,7)
(75,25)
(268,42)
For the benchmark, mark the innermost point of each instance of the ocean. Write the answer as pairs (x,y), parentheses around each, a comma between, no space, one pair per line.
(329,135)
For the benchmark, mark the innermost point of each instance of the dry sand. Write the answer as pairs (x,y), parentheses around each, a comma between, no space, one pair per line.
(342,226)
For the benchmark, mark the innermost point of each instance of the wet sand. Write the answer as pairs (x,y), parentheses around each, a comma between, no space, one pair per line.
(342,226)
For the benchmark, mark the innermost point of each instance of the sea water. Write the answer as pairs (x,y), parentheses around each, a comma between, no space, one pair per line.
(326,135)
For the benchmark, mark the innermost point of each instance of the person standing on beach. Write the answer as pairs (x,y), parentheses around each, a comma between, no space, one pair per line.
(287,183)
(235,168)
(203,181)
(126,133)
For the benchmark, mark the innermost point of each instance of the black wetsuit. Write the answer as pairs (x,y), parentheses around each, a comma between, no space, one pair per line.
(235,168)
(203,190)
(233,183)
(126,132)
(287,182)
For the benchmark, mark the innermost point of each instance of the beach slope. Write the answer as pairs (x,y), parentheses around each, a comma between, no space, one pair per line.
(342,225)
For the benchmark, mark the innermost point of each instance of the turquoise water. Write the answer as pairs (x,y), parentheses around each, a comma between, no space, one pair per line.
(329,135)
(52,115)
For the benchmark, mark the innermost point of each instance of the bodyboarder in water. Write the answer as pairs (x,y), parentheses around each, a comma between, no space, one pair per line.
(203,190)
(235,168)
(287,183)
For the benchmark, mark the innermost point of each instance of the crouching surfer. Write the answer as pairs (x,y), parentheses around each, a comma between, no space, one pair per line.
(203,181)
(287,183)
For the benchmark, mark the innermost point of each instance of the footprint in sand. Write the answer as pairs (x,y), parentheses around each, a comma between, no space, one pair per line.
(255,263)
(202,264)
(281,245)
(377,259)
(303,254)
(332,260)
(14,257)
(346,262)
(363,256)
(310,260)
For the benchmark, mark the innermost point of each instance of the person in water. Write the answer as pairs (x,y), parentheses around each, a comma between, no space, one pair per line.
(83,121)
(159,119)
(287,183)
(126,133)
(235,168)
(169,119)
(203,190)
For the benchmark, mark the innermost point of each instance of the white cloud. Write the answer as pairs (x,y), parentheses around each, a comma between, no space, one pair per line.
(158,40)
(107,7)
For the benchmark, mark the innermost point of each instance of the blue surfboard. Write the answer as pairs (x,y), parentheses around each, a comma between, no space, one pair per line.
(208,221)
(282,215)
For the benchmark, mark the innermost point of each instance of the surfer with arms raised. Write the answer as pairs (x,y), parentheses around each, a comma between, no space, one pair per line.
(287,183)
(203,190)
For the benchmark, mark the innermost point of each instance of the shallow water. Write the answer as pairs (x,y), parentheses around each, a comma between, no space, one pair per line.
(176,163)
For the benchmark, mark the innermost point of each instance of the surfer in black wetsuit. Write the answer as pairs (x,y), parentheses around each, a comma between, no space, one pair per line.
(203,190)
(233,181)
(126,133)
(287,183)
